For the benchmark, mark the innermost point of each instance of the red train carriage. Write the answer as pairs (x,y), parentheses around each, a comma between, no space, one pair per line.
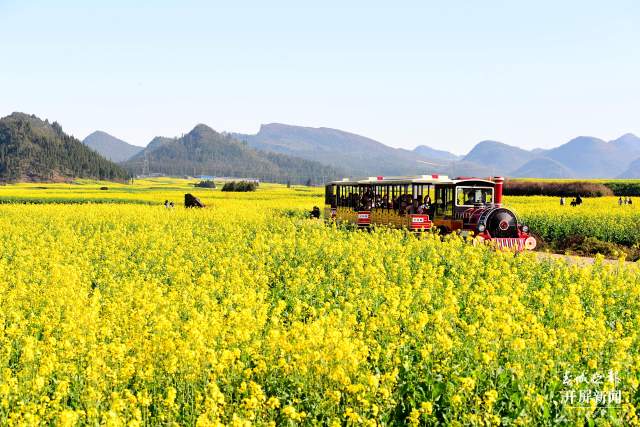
(419,203)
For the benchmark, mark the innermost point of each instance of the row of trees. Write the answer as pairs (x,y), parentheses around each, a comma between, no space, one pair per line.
(240,186)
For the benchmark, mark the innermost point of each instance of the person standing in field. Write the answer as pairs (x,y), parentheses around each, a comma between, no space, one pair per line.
(620,201)
(562,201)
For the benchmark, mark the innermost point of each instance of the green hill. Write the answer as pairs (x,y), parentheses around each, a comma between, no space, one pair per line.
(204,151)
(35,150)
(110,147)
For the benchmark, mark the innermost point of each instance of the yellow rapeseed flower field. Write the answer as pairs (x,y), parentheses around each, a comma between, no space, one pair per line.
(248,313)
(601,218)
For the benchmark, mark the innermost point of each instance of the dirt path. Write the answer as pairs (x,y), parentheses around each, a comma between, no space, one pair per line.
(579,260)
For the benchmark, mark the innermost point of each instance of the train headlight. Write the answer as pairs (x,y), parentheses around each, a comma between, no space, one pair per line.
(530,243)
(481,228)
(525,228)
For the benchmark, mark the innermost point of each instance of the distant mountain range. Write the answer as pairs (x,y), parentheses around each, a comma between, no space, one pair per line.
(32,149)
(111,147)
(633,171)
(203,151)
(357,156)
(431,153)
(498,157)
(582,157)
(542,167)
(36,150)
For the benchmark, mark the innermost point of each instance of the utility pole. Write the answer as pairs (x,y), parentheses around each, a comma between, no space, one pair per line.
(145,165)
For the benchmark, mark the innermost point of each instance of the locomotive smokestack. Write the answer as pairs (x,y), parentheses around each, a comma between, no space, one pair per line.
(499,184)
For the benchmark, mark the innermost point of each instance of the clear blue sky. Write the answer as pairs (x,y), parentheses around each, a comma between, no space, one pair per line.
(445,74)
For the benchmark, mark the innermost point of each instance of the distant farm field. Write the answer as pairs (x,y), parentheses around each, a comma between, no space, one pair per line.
(572,187)
(246,312)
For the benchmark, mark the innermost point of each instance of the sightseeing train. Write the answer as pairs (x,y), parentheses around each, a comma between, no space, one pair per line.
(469,206)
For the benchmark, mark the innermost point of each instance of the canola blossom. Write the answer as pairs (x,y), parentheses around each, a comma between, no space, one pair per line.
(247,313)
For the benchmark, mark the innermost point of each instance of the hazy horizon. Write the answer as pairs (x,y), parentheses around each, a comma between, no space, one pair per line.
(446,76)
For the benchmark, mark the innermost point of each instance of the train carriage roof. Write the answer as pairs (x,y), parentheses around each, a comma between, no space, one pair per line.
(474,181)
(417,179)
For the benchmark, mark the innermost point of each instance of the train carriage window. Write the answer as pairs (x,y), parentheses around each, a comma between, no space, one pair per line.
(354,196)
(367,197)
(374,194)
(345,196)
(386,199)
(330,195)
(404,199)
(384,196)
(470,196)
(392,197)
(377,197)
(422,200)
(444,201)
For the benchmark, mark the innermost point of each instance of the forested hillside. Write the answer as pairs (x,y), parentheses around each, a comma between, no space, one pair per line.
(35,150)
(204,151)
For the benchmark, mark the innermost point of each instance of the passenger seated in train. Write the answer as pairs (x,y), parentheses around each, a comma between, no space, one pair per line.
(365,203)
(423,205)
(469,198)
(402,206)
(405,204)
